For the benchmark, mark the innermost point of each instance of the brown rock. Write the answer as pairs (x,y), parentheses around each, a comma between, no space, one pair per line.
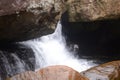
(27,19)
(24,26)
(50,73)
(12,6)
(15,6)
(91,10)
(107,71)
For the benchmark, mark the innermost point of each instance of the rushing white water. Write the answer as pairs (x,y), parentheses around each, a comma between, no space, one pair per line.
(51,50)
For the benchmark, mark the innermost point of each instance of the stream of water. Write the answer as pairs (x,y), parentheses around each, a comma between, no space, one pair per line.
(52,50)
(38,53)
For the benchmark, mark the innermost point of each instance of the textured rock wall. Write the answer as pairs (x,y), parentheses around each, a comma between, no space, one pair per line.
(15,6)
(92,10)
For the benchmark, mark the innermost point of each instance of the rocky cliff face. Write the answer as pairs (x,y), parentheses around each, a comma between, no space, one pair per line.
(27,19)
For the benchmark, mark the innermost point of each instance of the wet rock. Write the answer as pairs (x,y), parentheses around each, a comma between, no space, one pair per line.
(14,59)
(92,10)
(51,73)
(27,19)
(107,71)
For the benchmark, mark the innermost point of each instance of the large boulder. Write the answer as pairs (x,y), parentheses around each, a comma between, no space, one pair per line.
(27,19)
(107,71)
(50,73)
(92,10)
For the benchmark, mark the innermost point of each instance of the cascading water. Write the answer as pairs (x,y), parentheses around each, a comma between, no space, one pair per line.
(51,50)
(15,59)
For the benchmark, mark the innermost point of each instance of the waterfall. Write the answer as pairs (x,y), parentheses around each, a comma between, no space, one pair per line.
(14,59)
(51,50)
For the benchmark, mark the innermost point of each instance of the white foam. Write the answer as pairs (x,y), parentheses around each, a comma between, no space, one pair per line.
(51,50)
